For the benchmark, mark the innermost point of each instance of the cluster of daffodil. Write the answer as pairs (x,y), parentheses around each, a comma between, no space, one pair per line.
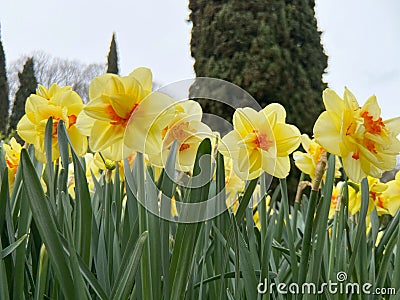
(261,141)
(366,144)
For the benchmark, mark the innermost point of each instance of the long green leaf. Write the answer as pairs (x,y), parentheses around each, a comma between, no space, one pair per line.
(83,226)
(129,266)
(4,293)
(11,248)
(24,221)
(167,188)
(188,234)
(46,225)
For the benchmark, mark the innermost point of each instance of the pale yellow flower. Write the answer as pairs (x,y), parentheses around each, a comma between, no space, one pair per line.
(260,142)
(367,144)
(60,103)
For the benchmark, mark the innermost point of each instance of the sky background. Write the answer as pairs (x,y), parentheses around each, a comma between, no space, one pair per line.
(361,38)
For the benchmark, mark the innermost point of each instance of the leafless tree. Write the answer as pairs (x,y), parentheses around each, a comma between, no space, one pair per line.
(49,70)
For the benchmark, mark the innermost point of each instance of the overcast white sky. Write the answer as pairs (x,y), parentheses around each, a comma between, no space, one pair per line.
(361,37)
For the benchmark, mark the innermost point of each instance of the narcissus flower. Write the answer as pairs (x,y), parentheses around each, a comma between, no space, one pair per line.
(60,103)
(307,161)
(367,144)
(391,196)
(261,141)
(13,153)
(114,100)
(376,198)
(181,122)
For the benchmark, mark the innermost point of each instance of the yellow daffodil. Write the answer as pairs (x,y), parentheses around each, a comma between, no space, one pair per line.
(115,100)
(391,196)
(13,152)
(307,162)
(367,144)
(376,198)
(181,122)
(261,141)
(60,103)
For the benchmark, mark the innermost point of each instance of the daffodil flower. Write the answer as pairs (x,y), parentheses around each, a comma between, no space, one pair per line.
(376,198)
(60,103)
(307,161)
(181,121)
(367,144)
(260,141)
(13,153)
(391,196)
(115,100)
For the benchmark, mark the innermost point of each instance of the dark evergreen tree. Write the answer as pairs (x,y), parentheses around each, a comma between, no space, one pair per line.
(4,102)
(112,59)
(27,87)
(270,48)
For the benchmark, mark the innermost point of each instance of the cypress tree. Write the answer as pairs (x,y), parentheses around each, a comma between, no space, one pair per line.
(27,87)
(4,102)
(112,59)
(270,48)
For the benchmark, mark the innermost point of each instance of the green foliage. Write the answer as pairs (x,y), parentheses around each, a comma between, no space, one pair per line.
(272,49)
(112,58)
(27,87)
(4,101)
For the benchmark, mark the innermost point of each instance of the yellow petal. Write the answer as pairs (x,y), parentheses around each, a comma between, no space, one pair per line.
(244,121)
(304,162)
(352,168)
(350,100)
(228,146)
(68,99)
(144,76)
(393,125)
(144,119)
(306,141)
(327,133)
(333,103)
(275,113)
(113,152)
(27,130)
(282,167)
(84,123)
(100,108)
(372,107)
(287,138)
(79,141)
(104,135)
(98,84)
